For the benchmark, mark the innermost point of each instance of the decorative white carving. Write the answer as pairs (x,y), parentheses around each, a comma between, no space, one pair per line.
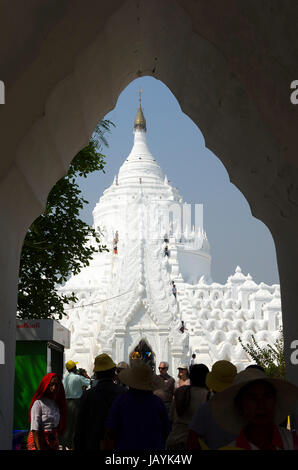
(128,296)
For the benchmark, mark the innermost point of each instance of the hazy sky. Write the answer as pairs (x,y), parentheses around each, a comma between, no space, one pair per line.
(235,236)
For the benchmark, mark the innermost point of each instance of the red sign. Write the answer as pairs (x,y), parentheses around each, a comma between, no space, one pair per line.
(27,325)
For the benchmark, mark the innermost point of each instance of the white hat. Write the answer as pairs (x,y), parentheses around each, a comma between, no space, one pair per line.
(226,413)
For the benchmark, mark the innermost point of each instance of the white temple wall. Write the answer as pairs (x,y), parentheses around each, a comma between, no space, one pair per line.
(193,265)
(243,297)
(164,350)
(256,307)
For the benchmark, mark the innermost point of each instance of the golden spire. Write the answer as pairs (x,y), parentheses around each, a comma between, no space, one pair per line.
(140,121)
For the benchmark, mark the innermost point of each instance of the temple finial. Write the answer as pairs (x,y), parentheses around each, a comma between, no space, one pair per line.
(140,121)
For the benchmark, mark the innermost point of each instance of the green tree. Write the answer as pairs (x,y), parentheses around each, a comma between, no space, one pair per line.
(56,244)
(269,357)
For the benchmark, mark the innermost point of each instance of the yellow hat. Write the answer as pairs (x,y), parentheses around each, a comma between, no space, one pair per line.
(103,362)
(221,376)
(70,365)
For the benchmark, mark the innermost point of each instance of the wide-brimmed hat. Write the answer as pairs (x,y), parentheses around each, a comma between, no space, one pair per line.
(70,365)
(221,376)
(182,366)
(103,362)
(139,376)
(226,413)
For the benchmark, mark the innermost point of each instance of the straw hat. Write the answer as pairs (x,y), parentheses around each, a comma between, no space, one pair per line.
(139,376)
(103,362)
(226,413)
(221,376)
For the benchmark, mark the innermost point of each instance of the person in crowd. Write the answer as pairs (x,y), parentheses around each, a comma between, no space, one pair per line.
(121,366)
(193,360)
(138,419)
(253,407)
(183,376)
(174,290)
(287,422)
(182,327)
(135,355)
(168,384)
(83,373)
(93,380)
(95,404)
(187,400)
(159,386)
(204,432)
(256,366)
(47,414)
(74,384)
(167,251)
(115,243)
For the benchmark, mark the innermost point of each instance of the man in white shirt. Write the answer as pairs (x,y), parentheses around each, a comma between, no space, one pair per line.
(73,385)
(73,382)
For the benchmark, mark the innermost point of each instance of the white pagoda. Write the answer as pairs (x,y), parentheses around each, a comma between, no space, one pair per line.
(126,296)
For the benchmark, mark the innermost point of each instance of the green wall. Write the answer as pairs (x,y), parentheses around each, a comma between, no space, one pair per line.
(30,368)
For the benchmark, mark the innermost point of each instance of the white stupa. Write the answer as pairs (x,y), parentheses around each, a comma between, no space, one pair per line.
(125,295)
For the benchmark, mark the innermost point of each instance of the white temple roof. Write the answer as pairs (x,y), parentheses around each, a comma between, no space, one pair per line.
(249,284)
(238,277)
(261,294)
(140,163)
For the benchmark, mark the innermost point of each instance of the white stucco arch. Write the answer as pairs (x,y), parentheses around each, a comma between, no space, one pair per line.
(61,84)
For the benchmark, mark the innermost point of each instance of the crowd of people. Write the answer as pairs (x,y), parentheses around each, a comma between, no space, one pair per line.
(131,408)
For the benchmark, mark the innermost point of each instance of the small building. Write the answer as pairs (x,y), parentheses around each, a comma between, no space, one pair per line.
(40,346)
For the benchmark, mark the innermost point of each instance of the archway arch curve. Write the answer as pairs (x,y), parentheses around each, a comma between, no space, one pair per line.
(201,81)
(67,83)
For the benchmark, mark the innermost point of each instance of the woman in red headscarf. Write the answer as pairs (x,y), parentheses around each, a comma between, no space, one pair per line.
(47,414)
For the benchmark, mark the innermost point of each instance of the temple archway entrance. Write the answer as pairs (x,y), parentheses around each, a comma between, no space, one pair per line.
(144,352)
(246,116)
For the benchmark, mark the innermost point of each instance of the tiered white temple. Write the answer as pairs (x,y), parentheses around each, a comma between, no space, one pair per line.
(126,296)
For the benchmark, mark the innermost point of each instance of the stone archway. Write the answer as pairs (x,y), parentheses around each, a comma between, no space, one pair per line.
(230,69)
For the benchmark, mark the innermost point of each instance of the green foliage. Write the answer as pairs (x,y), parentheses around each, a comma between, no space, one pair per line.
(269,357)
(56,244)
